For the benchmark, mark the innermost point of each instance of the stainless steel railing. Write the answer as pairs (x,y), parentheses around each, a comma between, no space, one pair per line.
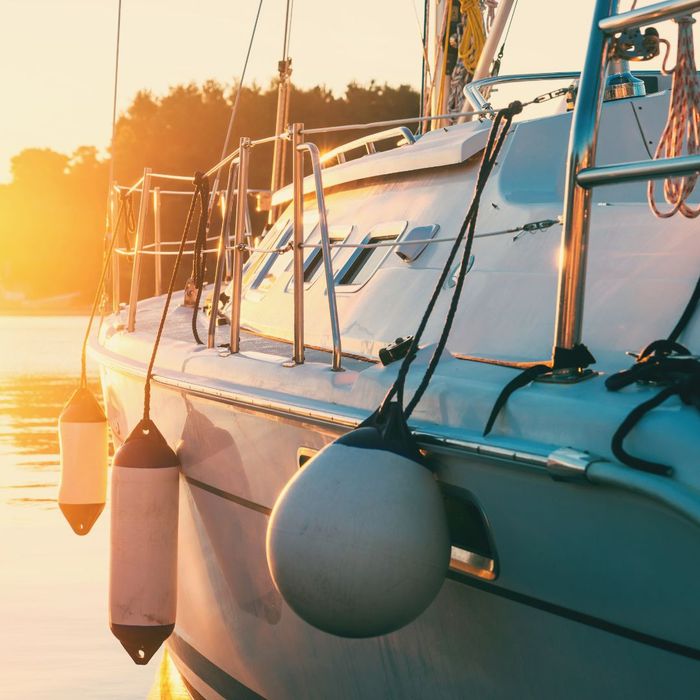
(315,156)
(581,173)
(368,143)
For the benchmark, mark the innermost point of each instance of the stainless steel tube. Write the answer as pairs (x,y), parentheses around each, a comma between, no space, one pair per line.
(116,287)
(646,15)
(313,152)
(138,247)
(298,237)
(577,200)
(237,277)
(639,171)
(221,256)
(156,240)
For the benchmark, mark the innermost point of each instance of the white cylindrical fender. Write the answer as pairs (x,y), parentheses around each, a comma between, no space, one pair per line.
(84,449)
(143,555)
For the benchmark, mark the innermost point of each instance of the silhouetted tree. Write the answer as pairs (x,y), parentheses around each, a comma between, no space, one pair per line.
(52,213)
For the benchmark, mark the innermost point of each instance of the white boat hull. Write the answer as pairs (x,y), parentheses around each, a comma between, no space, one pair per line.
(596,594)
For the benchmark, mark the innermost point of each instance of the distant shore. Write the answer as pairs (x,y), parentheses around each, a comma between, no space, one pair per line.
(18,311)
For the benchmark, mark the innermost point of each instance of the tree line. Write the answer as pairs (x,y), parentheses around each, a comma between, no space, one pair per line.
(52,213)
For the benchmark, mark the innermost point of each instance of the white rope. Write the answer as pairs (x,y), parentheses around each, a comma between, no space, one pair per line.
(681,135)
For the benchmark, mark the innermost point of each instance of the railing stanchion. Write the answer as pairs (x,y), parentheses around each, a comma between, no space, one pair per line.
(237,278)
(221,254)
(298,237)
(326,250)
(138,247)
(158,263)
(113,208)
(577,199)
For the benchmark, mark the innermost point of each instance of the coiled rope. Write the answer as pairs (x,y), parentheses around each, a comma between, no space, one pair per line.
(474,36)
(682,131)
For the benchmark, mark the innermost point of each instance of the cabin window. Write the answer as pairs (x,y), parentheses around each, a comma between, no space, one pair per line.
(313,266)
(263,279)
(363,262)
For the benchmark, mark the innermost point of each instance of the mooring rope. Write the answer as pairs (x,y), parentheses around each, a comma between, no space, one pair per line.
(124,199)
(499,130)
(201,183)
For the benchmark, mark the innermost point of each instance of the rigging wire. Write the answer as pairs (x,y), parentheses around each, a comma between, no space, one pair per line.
(287,29)
(114,95)
(113,226)
(234,109)
(499,56)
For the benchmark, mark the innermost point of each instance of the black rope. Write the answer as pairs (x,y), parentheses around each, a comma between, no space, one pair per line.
(687,313)
(497,135)
(129,219)
(664,362)
(199,257)
(200,183)
(564,358)
(124,203)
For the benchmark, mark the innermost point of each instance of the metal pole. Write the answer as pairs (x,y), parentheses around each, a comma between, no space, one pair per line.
(156,240)
(483,67)
(326,248)
(577,199)
(227,201)
(280,144)
(116,289)
(298,179)
(242,196)
(138,247)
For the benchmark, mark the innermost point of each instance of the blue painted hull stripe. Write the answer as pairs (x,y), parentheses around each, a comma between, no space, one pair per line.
(229,496)
(215,677)
(523,599)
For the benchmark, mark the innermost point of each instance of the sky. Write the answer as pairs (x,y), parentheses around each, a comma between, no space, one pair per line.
(57,56)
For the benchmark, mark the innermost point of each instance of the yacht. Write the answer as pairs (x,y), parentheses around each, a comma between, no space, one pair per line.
(559,418)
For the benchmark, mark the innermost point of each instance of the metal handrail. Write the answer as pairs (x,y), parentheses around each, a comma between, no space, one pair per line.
(368,142)
(472,91)
(661,11)
(315,156)
(298,240)
(581,173)
(391,122)
(638,171)
(138,249)
(237,271)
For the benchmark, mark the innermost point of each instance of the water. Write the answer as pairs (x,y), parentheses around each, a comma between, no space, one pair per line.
(54,635)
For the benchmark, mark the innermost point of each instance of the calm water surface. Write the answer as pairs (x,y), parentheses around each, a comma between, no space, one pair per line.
(54,635)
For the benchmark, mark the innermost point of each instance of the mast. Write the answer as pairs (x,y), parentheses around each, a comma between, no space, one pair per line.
(461,50)
(282,117)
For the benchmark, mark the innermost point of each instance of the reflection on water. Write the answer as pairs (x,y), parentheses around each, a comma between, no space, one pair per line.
(54,640)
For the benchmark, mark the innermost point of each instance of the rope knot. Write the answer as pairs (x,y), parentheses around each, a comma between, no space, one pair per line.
(515,107)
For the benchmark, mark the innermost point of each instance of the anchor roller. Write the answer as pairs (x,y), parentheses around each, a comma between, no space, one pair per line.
(358,542)
(84,447)
(143,556)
